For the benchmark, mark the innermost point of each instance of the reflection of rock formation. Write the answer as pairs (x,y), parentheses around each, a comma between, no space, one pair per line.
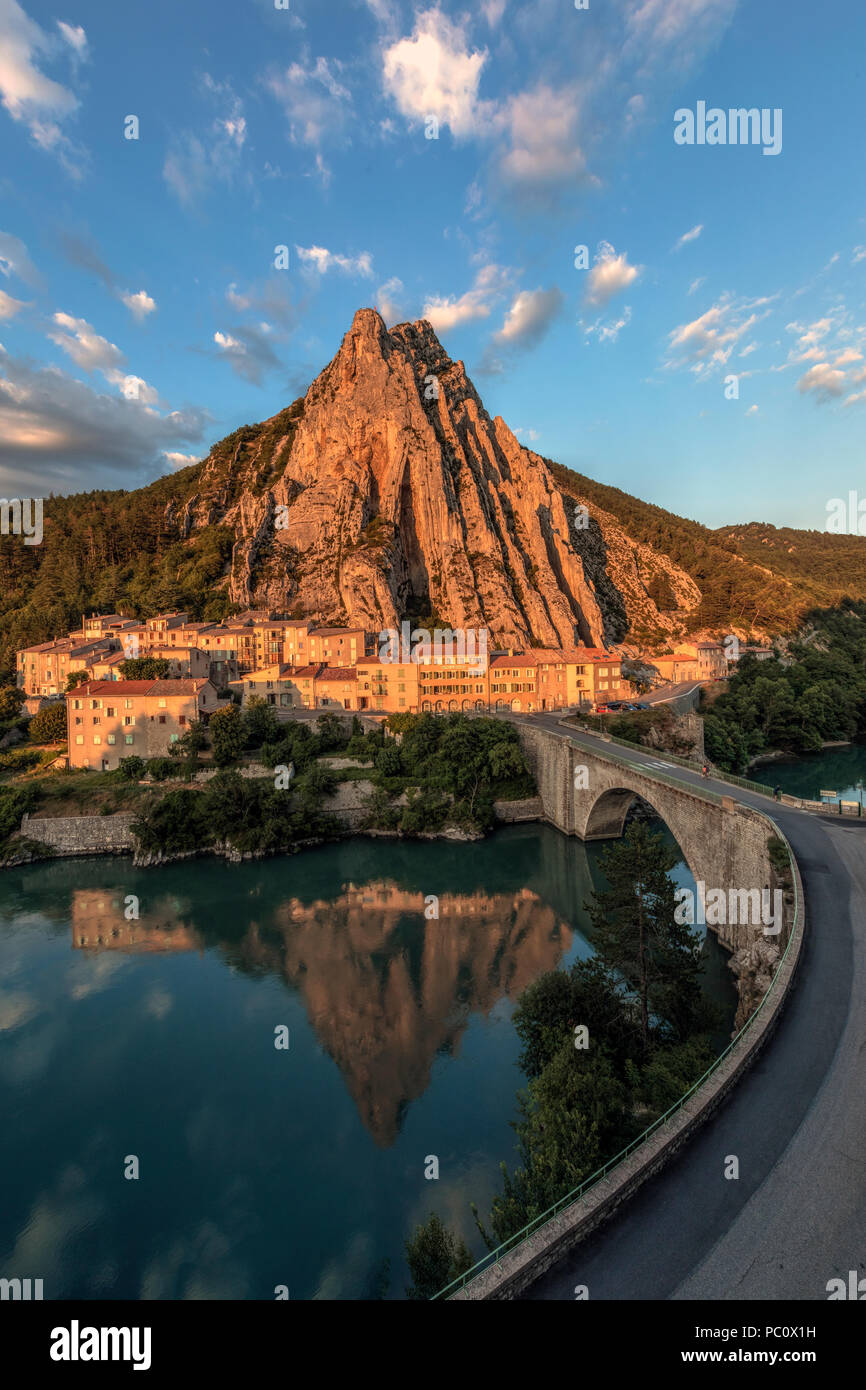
(386,990)
(99,924)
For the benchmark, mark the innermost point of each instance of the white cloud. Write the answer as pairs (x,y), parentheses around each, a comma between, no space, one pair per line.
(74,36)
(609,276)
(609,332)
(689,236)
(696,284)
(14,260)
(180,460)
(132,388)
(447,312)
(493,10)
(543,148)
(674,32)
(529,317)
(321,259)
(752,410)
(8,306)
(194,164)
(26,92)
(822,381)
(390,300)
(858,254)
(248,351)
(139,304)
(314,99)
(707,342)
(531,435)
(84,345)
(433,73)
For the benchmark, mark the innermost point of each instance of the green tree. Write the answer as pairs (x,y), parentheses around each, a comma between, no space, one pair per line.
(49,725)
(435,1257)
(259,722)
(11,700)
(227,735)
(76,678)
(637,935)
(145,668)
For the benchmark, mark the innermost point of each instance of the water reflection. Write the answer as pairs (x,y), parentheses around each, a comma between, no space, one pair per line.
(389,976)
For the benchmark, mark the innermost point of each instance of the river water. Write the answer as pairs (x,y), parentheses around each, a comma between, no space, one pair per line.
(840,770)
(152,1040)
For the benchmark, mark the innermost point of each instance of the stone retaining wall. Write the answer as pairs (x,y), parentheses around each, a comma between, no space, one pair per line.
(69,835)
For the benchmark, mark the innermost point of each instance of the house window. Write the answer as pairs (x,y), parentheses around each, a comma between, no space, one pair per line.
(129,738)
(112,738)
(161,704)
(181,719)
(79,738)
(96,739)
(162,719)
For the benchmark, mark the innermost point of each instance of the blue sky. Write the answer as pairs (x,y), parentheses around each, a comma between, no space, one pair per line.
(142,316)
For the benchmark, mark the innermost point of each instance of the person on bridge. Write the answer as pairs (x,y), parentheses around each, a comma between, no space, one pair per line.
(777,793)
(705,771)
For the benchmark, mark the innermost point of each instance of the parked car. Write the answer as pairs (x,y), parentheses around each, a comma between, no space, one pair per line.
(604,709)
(642,705)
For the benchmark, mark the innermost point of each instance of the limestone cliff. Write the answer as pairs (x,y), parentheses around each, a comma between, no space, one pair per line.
(388,492)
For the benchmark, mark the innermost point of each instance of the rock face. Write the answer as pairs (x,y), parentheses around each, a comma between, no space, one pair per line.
(390,493)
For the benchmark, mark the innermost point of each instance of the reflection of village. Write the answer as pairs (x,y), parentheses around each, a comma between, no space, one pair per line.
(385,989)
(99,923)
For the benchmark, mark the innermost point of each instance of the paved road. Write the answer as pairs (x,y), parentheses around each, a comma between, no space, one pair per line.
(797,1122)
(663,693)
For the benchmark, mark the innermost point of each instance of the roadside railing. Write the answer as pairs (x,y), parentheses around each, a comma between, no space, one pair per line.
(663,756)
(494,1256)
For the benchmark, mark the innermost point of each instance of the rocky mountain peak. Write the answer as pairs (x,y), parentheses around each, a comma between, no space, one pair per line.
(390,493)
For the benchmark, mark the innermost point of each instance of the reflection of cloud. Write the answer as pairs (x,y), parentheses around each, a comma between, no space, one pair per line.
(16,1009)
(158,1003)
(348,1271)
(55,1218)
(92,974)
(196,1266)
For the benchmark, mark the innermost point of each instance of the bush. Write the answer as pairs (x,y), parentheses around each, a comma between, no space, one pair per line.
(160,769)
(133,768)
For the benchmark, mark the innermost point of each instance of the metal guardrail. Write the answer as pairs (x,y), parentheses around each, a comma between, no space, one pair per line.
(689,763)
(494,1256)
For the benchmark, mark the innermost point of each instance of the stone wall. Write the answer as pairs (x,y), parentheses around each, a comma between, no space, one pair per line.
(513,812)
(68,835)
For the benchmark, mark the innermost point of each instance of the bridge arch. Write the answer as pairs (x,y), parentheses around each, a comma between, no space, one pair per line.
(609,811)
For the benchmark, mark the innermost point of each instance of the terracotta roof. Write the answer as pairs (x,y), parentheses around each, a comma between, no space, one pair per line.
(334,631)
(339,673)
(308,670)
(523,660)
(163,688)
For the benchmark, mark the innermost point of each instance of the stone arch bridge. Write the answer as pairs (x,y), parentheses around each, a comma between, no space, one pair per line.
(588,792)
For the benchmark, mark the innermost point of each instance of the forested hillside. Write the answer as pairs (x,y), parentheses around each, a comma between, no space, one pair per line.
(750,576)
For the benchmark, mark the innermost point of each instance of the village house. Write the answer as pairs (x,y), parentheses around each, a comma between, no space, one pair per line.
(693,661)
(338,646)
(387,685)
(45,669)
(110,720)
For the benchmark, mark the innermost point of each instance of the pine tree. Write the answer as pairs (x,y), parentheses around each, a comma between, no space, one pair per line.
(637,935)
